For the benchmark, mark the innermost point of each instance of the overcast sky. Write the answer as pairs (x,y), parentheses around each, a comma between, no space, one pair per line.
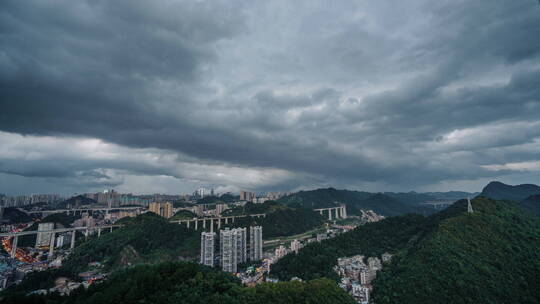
(168,96)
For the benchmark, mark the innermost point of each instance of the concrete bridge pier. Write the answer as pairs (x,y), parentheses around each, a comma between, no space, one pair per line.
(51,246)
(14,246)
(73,233)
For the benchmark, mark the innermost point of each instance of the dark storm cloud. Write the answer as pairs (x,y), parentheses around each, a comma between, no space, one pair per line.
(345,93)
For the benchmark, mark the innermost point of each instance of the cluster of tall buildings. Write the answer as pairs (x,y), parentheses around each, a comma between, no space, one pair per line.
(259,199)
(23,200)
(233,248)
(112,198)
(165,210)
(202,192)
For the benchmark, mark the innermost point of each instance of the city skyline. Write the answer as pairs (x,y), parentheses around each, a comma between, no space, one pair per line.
(169,96)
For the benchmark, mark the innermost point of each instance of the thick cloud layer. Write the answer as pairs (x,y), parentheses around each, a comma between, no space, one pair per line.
(278,95)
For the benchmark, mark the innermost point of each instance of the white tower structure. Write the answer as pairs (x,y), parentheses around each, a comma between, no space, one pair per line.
(228,248)
(207,248)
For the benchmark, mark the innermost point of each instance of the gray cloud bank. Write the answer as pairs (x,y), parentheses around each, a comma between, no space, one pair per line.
(276,95)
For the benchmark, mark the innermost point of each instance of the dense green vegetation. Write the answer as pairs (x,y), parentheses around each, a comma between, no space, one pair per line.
(500,191)
(532,203)
(355,200)
(190,283)
(283,222)
(182,215)
(489,256)
(316,260)
(39,280)
(225,198)
(145,238)
(251,208)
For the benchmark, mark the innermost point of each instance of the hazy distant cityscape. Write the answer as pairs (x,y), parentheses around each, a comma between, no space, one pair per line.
(269,152)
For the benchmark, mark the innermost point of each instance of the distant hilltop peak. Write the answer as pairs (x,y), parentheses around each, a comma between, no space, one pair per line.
(498,190)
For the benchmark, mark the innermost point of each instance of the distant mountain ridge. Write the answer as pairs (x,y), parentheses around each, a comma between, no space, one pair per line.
(387,203)
(498,190)
(526,195)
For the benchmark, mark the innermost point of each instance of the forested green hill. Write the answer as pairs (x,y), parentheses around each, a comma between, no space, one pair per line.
(316,260)
(145,238)
(532,203)
(283,221)
(488,256)
(187,283)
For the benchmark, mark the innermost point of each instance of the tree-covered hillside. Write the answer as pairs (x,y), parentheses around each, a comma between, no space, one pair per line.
(190,284)
(355,200)
(283,221)
(316,260)
(251,208)
(489,256)
(145,238)
(532,203)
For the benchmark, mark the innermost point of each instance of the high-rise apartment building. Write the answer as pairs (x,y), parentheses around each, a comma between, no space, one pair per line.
(228,249)
(255,243)
(163,209)
(44,239)
(233,248)
(247,196)
(241,245)
(220,208)
(207,248)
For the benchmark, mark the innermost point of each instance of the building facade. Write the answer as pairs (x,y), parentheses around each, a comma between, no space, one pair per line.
(255,243)
(163,209)
(44,239)
(241,245)
(228,250)
(207,248)
(295,246)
